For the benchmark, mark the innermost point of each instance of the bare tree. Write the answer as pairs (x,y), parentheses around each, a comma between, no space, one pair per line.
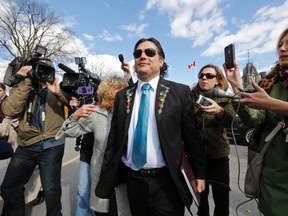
(26,23)
(101,65)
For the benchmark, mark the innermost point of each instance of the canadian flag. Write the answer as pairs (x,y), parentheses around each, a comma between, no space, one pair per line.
(192,65)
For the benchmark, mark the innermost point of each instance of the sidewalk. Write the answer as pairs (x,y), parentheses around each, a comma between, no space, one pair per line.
(238,165)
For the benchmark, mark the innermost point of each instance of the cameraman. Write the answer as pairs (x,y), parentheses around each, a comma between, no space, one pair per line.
(40,106)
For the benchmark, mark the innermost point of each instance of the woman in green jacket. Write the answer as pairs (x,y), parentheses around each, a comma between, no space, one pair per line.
(213,117)
(270,103)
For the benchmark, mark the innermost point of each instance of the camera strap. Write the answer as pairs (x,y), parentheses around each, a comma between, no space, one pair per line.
(37,116)
(29,108)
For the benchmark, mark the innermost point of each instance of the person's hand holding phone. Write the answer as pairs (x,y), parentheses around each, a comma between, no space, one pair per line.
(233,76)
(231,69)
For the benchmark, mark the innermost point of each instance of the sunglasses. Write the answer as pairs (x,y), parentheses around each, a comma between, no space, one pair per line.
(208,75)
(150,52)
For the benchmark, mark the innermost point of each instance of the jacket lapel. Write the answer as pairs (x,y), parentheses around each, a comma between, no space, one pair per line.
(160,100)
(161,97)
(129,102)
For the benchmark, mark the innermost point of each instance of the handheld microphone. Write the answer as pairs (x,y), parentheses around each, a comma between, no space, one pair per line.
(121,58)
(65,68)
(221,93)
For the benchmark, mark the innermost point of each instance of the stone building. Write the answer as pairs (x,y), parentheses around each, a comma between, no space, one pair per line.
(250,73)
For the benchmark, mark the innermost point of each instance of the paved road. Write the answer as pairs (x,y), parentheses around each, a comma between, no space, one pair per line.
(69,182)
(70,177)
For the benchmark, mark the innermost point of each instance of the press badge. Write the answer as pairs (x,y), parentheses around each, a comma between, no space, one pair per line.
(43,116)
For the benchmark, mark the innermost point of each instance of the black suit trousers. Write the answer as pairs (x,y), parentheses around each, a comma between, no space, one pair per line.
(153,195)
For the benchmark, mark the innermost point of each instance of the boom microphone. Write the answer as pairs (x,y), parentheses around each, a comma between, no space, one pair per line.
(65,68)
(221,93)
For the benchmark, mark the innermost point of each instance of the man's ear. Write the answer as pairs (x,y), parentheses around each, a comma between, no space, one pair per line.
(161,62)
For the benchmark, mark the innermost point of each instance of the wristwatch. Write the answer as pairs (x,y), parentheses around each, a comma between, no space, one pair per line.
(71,118)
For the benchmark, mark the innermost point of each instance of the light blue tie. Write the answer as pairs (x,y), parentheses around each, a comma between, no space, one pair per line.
(140,137)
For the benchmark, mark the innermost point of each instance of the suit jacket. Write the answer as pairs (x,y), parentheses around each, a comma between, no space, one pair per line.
(177,131)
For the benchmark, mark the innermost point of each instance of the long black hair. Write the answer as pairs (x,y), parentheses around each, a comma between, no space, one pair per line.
(164,68)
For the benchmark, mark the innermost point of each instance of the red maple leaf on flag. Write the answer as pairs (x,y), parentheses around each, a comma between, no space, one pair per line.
(192,65)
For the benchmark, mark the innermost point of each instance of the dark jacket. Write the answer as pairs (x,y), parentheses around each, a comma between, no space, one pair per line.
(176,128)
(213,129)
(17,105)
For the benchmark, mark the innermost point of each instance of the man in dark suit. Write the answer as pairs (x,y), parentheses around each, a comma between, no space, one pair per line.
(155,186)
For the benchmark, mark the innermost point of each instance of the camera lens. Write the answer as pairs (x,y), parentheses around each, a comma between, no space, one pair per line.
(44,72)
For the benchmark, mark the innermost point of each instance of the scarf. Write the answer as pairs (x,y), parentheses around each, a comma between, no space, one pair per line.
(278,73)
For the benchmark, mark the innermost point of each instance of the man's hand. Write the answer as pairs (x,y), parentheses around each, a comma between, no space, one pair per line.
(200,185)
(53,87)
(74,102)
(23,71)
(126,68)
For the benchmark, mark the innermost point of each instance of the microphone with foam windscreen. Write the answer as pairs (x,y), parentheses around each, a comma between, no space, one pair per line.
(221,93)
(121,58)
(65,68)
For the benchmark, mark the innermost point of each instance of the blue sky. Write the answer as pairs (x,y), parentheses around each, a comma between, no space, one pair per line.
(189,30)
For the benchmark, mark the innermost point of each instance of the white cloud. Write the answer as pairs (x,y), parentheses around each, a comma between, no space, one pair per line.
(68,21)
(141,15)
(134,30)
(203,21)
(3,67)
(185,27)
(107,36)
(88,37)
(188,18)
(162,5)
(258,37)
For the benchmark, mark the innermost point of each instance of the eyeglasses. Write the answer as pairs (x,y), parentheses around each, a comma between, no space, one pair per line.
(208,75)
(150,52)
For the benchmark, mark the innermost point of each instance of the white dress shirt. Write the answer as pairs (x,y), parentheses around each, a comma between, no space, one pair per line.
(154,153)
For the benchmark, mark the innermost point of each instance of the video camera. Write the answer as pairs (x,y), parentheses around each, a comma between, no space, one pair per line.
(84,83)
(42,68)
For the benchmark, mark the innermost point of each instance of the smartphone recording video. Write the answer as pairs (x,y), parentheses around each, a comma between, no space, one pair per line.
(229,52)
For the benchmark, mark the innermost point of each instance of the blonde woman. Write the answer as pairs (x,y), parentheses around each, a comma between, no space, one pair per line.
(97,119)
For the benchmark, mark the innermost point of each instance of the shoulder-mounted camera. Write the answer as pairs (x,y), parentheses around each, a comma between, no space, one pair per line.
(42,68)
